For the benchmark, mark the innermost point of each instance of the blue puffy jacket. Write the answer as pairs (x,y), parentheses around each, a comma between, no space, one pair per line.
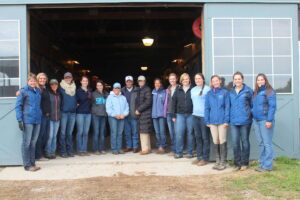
(69,103)
(159,105)
(240,106)
(116,105)
(264,105)
(28,105)
(217,106)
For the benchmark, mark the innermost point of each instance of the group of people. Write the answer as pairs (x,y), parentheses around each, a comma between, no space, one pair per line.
(191,114)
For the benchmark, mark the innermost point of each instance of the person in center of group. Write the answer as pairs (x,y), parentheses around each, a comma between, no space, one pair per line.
(201,131)
(117,109)
(217,108)
(131,123)
(54,99)
(28,113)
(143,111)
(182,116)
(83,116)
(159,113)
(99,117)
(240,121)
(68,115)
(263,111)
(171,125)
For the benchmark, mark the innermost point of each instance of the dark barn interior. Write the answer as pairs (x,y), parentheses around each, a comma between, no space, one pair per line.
(106,42)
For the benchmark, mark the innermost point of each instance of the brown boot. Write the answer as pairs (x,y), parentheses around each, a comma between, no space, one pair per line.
(31,169)
(145,152)
(127,149)
(135,150)
(202,163)
(37,168)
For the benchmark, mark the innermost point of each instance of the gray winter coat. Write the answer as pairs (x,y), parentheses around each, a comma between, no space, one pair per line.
(144,106)
(132,103)
(98,103)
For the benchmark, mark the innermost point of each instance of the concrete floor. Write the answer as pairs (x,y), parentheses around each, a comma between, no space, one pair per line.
(109,165)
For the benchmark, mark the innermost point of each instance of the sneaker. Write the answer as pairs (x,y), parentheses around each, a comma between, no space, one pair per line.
(243,168)
(236,168)
(188,156)
(31,169)
(178,156)
(216,166)
(64,156)
(222,166)
(195,162)
(37,168)
(202,163)
(259,169)
(42,159)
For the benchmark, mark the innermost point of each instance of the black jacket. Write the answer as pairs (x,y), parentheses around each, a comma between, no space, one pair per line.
(182,102)
(45,102)
(144,106)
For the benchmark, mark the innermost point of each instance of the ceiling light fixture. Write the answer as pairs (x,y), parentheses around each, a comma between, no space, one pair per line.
(144,68)
(148,41)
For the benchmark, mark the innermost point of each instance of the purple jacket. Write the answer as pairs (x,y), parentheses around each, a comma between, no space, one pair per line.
(159,103)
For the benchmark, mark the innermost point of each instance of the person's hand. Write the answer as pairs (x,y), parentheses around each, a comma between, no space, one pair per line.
(225,125)
(122,116)
(18,93)
(174,119)
(117,116)
(208,125)
(268,124)
(21,126)
(137,112)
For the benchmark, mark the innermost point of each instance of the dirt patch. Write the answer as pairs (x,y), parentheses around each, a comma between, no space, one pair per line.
(127,187)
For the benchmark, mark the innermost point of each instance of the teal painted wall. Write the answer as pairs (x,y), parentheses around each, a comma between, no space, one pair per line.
(11,137)
(286,137)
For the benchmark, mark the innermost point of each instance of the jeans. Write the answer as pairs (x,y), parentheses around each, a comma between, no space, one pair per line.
(83,122)
(264,137)
(160,131)
(202,138)
(131,133)
(116,130)
(99,123)
(171,126)
(30,136)
(241,145)
(43,137)
(52,139)
(184,123)
(67,123)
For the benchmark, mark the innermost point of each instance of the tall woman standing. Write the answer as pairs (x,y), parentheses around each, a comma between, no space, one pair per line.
(171,124)
(217,109)
(182,116)
(198,94)
(240,121)
(264,107)
(83,116)
(28,111)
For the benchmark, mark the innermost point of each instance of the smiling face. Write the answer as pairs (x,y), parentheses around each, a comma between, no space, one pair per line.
(99,87)
(116,91)
(42,80)
(157,84)
(84,82)
(199,80)
(129,84)
(54,87)
(216,82)
(238,80)
(141,83)
(185,81)
(260,81)
(172,80)
(31,82)
(68,80)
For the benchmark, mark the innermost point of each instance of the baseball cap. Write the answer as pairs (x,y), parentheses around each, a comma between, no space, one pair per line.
(117,85)
(53,81)
(128,78)
(141,78)
(68,74)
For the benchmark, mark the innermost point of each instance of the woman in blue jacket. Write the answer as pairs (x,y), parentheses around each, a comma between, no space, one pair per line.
(83,115)
(117,109)
(263,111)
(182,116)
(198,94)
(240,121)
(217,108)
(29,114)
(159,113)
(54,99)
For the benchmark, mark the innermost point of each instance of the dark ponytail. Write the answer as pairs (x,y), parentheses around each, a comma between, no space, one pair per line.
(203,78)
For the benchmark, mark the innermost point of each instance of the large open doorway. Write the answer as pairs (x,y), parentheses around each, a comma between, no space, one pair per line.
(106,42)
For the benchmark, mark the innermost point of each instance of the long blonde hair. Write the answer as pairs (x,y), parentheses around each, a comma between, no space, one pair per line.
(39,75)
(171,74)
(184,75)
